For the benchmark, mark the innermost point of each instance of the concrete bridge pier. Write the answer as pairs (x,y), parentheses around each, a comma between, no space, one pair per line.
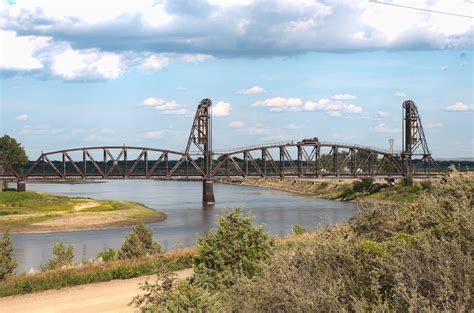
(208,192)
(21,186)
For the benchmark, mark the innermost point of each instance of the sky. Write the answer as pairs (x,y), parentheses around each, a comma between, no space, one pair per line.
(92,73)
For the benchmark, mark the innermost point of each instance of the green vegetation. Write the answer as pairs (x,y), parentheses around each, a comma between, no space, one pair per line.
(61,271)
(417,257)
(299,230)
(7,263)
(236,249)
(63,256)
(32,211)
(405,190)
(139,243)
(12,152)
(92,272)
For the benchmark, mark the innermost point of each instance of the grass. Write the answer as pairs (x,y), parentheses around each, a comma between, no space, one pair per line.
(23,211)
(93,273)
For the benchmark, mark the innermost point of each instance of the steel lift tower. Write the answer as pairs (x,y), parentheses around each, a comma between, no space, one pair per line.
(201,137)
(414,140)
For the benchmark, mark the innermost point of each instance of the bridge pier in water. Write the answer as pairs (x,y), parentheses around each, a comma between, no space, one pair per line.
(208,192)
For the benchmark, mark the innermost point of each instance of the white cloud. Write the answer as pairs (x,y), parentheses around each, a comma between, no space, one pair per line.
(221,108)
(381,114)
(333,106)
(236,124)
(155,63)
(164,106)
(443,68)
(87,64)
(292,126)
(460,106)
(251,91)
(344,97)
(400,94)
(279,104)
(334,113)
(353,108)
(18,52)
(383,128)
(257,130)
(22,117)
(195,58)
(153,134)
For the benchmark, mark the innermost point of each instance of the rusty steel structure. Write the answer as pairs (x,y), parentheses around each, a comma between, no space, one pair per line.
(308,158)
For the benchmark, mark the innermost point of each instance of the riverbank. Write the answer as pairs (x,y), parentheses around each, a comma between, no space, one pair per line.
(34,212)
(368,190)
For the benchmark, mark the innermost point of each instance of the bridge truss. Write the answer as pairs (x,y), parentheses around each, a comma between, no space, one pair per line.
(303,159)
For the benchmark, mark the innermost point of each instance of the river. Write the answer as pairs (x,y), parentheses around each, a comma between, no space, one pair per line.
(181,201)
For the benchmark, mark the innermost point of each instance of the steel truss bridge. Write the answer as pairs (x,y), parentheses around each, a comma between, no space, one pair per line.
(308,158)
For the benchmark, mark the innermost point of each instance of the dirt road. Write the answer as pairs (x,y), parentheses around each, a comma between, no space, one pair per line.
(112,296)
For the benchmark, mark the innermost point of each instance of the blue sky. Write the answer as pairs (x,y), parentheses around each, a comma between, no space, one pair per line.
(93,73)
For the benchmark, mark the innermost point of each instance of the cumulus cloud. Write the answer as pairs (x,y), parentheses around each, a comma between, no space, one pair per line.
(381,114)
(400,94)
(460,106)
(22,117)
(164,106)
(221,108)
(333,108)
(155,63)
(251,91)
(236,124)
(90,64)
(343,97)
(279,104)
(18,52)
(247,28)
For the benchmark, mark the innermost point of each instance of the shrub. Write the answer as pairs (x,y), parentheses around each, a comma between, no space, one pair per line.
(167,295)
(107,255)
(139,243)
(376,188)
(235,249)
(299,230)
(452,168)
(407,181)
(362,185)
(416,258)
(426,185)
(7,263)
(63,257)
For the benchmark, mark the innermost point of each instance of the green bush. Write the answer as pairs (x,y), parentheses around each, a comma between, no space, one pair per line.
(7,263)
(362,185)
(168,295)
(107,255)
(139,243)
(299,230)
(407,181)
(415,258)
(235,249)
(376,187)
(426,185)
(63,257)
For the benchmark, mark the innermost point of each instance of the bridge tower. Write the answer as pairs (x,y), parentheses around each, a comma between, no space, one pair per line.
(201,137)
(414,140)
